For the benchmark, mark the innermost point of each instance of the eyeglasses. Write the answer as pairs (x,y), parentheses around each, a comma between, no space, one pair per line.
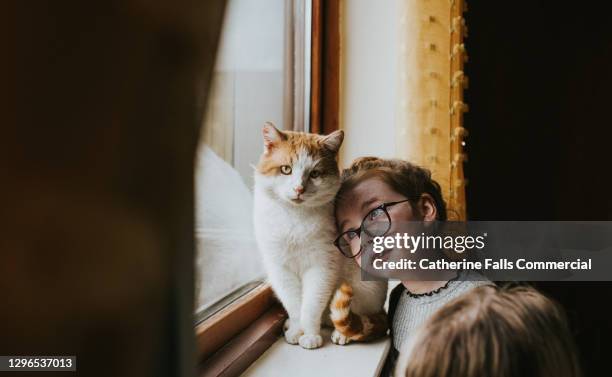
(375,224)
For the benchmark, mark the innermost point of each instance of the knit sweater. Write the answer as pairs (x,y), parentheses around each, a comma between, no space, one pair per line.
(407,313)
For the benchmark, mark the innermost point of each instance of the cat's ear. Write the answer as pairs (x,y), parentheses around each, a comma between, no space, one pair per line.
(271,136)
(334,140)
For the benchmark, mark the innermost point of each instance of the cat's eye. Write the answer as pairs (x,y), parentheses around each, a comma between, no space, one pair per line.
(285,169)
(315,174)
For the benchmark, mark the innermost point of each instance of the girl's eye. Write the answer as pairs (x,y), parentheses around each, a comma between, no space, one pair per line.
(351,235)
(285,169)
(315,174)
(378,212)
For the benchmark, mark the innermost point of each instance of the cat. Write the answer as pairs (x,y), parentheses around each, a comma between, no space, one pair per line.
(359,317)
(296,181)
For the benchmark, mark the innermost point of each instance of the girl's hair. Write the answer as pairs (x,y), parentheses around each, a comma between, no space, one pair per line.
(405,178)
(492,331)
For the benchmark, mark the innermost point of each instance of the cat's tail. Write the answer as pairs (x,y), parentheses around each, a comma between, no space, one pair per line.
(352,326)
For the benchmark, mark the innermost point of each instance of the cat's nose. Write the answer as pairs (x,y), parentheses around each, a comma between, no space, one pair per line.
(299,189)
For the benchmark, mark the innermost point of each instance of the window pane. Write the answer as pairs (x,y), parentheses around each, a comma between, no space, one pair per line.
(248,89)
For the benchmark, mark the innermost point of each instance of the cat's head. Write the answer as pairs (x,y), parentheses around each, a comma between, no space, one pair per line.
(299,168)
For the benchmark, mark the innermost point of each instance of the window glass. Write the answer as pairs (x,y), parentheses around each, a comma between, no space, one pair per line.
(249,87)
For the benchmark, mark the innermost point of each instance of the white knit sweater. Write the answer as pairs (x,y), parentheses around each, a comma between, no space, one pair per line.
(411,312)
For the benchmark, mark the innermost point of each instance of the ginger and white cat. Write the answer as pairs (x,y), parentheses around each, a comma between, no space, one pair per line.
(296,181)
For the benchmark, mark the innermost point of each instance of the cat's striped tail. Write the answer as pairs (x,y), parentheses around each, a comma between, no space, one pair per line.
(352,326)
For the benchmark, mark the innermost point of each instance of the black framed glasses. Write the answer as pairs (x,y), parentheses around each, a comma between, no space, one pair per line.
(375,224)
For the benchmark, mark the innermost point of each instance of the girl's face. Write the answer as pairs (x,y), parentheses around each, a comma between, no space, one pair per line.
(366,196)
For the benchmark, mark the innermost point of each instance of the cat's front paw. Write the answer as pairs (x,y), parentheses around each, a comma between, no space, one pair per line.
(339,338)
(311,341)
(293,334)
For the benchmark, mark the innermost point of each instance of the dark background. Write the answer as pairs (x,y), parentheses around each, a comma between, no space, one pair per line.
(98,133)
(540,126)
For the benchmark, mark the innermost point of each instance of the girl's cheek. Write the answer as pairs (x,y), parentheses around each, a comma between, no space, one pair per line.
(403,215)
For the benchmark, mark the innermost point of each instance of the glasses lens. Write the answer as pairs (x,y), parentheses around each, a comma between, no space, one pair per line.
(377,223)
(349,244)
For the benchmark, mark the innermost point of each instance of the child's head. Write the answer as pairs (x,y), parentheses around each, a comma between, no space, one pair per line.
(370,182)
(406,179)
(495,332)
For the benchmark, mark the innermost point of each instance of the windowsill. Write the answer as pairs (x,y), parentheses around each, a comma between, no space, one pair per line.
(355,359)
(216,331)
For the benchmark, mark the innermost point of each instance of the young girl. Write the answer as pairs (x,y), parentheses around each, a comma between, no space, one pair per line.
(515,332)
(400,192)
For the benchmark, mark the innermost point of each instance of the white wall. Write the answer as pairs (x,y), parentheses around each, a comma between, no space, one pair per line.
(369,78)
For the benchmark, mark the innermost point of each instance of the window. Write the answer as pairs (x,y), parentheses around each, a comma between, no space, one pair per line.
(262,74)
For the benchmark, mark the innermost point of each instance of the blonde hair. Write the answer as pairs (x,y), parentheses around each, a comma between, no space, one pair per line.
(492,331)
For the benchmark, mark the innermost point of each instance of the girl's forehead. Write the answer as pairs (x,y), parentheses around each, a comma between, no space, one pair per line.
(366,190)
(370,187)
(350,205)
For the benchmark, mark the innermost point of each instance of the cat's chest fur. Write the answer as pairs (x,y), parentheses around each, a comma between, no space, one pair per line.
(287,234)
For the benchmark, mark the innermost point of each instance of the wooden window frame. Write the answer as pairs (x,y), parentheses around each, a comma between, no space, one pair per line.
(230,340)
(325,67)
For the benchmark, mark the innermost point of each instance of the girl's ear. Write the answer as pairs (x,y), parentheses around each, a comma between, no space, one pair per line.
(427,207)
(271,136)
